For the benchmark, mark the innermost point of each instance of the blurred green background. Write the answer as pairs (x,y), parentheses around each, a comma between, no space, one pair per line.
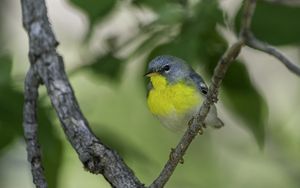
(106,46)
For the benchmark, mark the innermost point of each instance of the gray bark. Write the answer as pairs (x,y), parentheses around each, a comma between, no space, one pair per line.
(47,64)
(47,67)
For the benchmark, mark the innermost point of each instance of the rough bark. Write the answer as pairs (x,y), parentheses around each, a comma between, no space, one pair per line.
(47,67)
(31,129)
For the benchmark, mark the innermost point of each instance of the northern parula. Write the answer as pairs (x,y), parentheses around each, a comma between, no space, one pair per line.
(176,92)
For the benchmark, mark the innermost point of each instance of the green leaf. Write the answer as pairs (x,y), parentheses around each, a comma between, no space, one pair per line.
(198,37)
(275,23)
(11,105)
(155,5)
(7,135)
(108,66)
(123,146)
(243,99)
(95,10)
(11,108)
(199,42)
(5,69)
(170,14)
(51,146)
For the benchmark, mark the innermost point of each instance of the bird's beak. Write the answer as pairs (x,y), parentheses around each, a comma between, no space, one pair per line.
(151,73)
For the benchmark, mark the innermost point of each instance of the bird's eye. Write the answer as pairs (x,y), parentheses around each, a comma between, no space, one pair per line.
(166,68)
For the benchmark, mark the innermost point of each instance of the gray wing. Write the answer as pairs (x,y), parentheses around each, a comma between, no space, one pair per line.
(196,78)
(149,87)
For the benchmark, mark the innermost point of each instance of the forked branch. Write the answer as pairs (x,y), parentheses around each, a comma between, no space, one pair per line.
(47,66)
(253,42)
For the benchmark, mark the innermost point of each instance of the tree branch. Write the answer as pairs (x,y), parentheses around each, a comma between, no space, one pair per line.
(252,42)
(248,12)
(177,154)
(247,38)
(31,129)
(49,66)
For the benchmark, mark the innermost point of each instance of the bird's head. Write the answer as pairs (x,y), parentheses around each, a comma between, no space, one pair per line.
(170,67)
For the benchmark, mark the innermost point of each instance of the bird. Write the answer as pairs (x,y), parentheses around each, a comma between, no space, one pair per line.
(175,93)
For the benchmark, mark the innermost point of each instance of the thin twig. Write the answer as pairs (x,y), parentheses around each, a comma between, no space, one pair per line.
(219,73)
(248,12)
(48,65)
(177,154)
(253,42)
(31,129)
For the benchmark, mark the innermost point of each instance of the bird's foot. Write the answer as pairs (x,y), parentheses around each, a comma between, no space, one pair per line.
(201,131)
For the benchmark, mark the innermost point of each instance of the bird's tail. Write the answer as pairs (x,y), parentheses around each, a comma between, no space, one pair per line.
(212,118)
(218,123)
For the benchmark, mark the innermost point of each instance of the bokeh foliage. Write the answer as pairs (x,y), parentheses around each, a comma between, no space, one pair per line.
(10,127)
(277,24)
(198,42)
(188,31)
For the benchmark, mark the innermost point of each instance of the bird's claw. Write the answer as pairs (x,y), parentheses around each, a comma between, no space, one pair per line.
(181,160)
(200,132)
(201,128)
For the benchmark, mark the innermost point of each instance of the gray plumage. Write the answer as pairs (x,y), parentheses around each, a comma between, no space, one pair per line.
(175,70)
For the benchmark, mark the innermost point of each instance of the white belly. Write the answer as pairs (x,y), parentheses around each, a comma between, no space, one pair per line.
(178,122)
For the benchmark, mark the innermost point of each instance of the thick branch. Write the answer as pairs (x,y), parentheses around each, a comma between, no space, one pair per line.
(31,129)
(96,157)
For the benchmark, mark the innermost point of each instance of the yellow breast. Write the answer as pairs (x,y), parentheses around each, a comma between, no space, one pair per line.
(165,99)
